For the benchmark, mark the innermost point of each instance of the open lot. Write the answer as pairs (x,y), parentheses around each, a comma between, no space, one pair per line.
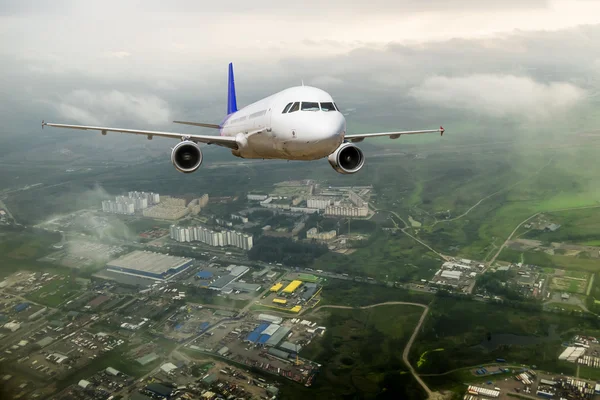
(568,284)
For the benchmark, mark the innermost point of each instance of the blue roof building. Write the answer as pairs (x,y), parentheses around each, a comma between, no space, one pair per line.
(204,275)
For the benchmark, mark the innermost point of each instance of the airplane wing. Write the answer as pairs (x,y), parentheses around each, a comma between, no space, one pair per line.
(225,141)
(202,124)
(393,135)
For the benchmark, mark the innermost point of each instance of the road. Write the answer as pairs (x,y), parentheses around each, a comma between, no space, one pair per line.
(410,342)
(491,262)
(406,226)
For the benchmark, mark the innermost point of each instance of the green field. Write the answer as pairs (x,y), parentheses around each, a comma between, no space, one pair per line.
(348,293)
(546,260)
(461,327)
(361,354)
(56,291)
(576,226)
(387,257)
(19,250)
(568,285)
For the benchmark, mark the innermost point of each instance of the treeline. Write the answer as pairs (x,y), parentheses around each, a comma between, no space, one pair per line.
(524,304)
(286,251)
(497,283)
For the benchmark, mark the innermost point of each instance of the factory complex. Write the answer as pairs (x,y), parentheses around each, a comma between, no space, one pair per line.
(149,265)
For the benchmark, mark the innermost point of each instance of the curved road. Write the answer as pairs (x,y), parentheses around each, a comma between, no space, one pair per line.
(410,341)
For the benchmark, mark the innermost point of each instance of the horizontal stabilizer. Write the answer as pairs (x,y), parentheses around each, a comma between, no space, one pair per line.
(213,126)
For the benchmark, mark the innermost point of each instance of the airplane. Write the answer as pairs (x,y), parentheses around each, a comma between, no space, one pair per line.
(298,123)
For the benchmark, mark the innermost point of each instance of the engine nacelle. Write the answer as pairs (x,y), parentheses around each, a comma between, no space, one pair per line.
(186,156)
(347,159)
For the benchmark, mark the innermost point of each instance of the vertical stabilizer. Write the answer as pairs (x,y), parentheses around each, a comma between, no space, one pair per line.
(231,100)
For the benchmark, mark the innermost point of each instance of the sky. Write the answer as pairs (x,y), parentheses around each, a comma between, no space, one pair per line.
(144,63)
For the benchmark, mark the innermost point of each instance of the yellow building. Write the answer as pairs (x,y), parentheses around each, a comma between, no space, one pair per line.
(276,287)
(292,286)
(296,309)
(280,301)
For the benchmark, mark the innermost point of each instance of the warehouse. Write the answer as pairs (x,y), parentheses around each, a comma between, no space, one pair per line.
(276,288)
(291,347)
(255,334)
(278,336)
(235,272)
(280,301)
(292,286)
(160,390)
(451,274)
(150,265)
(204,275)
(311,289)
(244,287)
(284,355)
(270,318)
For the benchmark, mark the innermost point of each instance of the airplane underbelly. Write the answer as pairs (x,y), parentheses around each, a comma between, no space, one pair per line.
(266,145)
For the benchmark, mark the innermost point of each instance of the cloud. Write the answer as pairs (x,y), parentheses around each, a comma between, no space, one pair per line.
(499,95)
(326,81)
(87,107)
(119,54)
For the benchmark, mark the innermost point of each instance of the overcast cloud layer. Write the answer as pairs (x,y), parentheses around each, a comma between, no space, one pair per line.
(144,63)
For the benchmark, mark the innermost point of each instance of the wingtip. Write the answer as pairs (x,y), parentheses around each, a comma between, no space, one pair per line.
(43,123)
(442,130)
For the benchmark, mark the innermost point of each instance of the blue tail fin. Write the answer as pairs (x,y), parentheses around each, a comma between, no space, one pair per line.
(231,100)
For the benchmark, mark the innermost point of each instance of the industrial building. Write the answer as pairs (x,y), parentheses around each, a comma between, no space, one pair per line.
(277,287)
(572,354)
(292,286)
(244,287)
(311,289)
(204,275)
(270,318)
(268,334)
(256,197)
(451,274)
(280,301)
(149,265)
(235,272)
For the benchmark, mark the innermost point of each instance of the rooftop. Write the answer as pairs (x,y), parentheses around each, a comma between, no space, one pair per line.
(148,262)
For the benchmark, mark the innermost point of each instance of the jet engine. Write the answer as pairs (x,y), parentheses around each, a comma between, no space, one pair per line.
(186,156)
(347,159)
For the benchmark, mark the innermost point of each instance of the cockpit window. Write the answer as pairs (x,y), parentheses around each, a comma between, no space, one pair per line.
(286,109)
(327,107)
(310,106)
(295,107)
(336,107)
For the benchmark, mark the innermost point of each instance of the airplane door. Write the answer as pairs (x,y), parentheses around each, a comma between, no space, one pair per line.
(268,120)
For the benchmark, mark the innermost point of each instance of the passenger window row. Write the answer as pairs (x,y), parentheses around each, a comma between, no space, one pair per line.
(309,106)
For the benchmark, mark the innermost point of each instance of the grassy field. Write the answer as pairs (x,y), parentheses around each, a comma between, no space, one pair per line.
(361,354)
(388,257)
(19,250)
(568,285)
(348,293)
(545,260)
(576,226)
(56,291)
(461,327)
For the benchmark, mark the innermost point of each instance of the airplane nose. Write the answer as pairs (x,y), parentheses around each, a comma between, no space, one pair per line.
(336,125)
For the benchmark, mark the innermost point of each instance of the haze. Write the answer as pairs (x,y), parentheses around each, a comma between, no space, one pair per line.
(144,64)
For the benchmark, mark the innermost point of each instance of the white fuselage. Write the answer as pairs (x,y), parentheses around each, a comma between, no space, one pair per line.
(263,130)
